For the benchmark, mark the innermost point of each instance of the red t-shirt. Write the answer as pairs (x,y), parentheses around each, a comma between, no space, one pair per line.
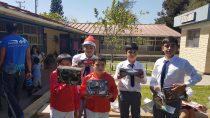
(63,97)
(99,103)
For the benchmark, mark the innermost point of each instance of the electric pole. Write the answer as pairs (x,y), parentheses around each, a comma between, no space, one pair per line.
(20,4)
(36,5)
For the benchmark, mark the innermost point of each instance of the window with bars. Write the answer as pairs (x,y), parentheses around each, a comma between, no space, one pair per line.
(193,37)
(2,27)
(30,29)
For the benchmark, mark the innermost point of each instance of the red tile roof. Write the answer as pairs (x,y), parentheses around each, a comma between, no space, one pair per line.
(153,30)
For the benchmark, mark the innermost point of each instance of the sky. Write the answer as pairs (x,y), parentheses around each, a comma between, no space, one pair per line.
(83,10)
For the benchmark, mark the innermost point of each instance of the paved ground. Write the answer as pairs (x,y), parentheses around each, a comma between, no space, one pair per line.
(45,114)
(24,99)
(205,80)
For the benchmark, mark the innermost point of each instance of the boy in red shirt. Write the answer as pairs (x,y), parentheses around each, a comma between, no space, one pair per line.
(64,99)
(89,46)
(99,106)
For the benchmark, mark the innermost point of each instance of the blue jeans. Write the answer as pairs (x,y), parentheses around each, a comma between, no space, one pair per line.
(12,84)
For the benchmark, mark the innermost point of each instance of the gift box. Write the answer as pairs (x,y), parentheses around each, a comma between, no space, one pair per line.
(97,87)
(148,105)
(86,62)
(69,75)
(171,96)
(160,103)
(124,71)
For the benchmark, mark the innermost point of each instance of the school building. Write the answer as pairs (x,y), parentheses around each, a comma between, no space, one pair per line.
(55,37)
(49,35)
(195,34)
(147,36)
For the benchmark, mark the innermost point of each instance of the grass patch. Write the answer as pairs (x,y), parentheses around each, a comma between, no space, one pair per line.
(200,94)
(110,67)
(145,93)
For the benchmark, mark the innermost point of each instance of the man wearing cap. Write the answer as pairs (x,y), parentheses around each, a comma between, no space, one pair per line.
(89,47)
(15,52)
(129,84)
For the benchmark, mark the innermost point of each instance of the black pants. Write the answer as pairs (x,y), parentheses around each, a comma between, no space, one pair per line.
(12,85)
(158,113)
(129,100)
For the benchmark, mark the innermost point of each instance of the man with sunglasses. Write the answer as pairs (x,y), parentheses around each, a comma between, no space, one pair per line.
(168,77)
(129,84)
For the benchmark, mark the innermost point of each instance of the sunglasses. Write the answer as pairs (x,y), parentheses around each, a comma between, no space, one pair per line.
(169,45)
(101,65)
(132,51)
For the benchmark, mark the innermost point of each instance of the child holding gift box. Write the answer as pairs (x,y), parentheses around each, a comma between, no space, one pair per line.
(64,99)
(98,106)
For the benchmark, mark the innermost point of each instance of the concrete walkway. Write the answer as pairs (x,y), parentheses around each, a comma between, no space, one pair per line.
(25,101)
(205,80)
(44,113)
(45,110)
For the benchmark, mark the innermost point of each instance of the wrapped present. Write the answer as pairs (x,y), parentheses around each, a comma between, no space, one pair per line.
(97,87)
(194,105)
(148,105)
(161,104)
(130,71)
(171,96)
(168,109)
(69,75)
(86,62)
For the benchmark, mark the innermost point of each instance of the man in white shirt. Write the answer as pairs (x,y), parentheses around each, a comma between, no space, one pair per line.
(89,47)
(129,85)
(169,72)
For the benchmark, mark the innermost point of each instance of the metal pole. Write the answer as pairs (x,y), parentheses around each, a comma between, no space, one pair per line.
(146,67)
(20,4)
(36,5)
(155,44)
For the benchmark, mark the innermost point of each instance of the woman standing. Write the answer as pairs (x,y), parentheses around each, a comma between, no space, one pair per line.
(35,52)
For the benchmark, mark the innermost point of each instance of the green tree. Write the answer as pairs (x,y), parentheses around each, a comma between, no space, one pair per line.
(171,8)
(74,20)
(56,7)
(117,20)
(53,16)
(196,3)
(162,17)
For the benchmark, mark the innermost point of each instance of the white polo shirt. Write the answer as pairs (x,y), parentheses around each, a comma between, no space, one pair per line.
(177,68)
(124,83)
(77,59)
